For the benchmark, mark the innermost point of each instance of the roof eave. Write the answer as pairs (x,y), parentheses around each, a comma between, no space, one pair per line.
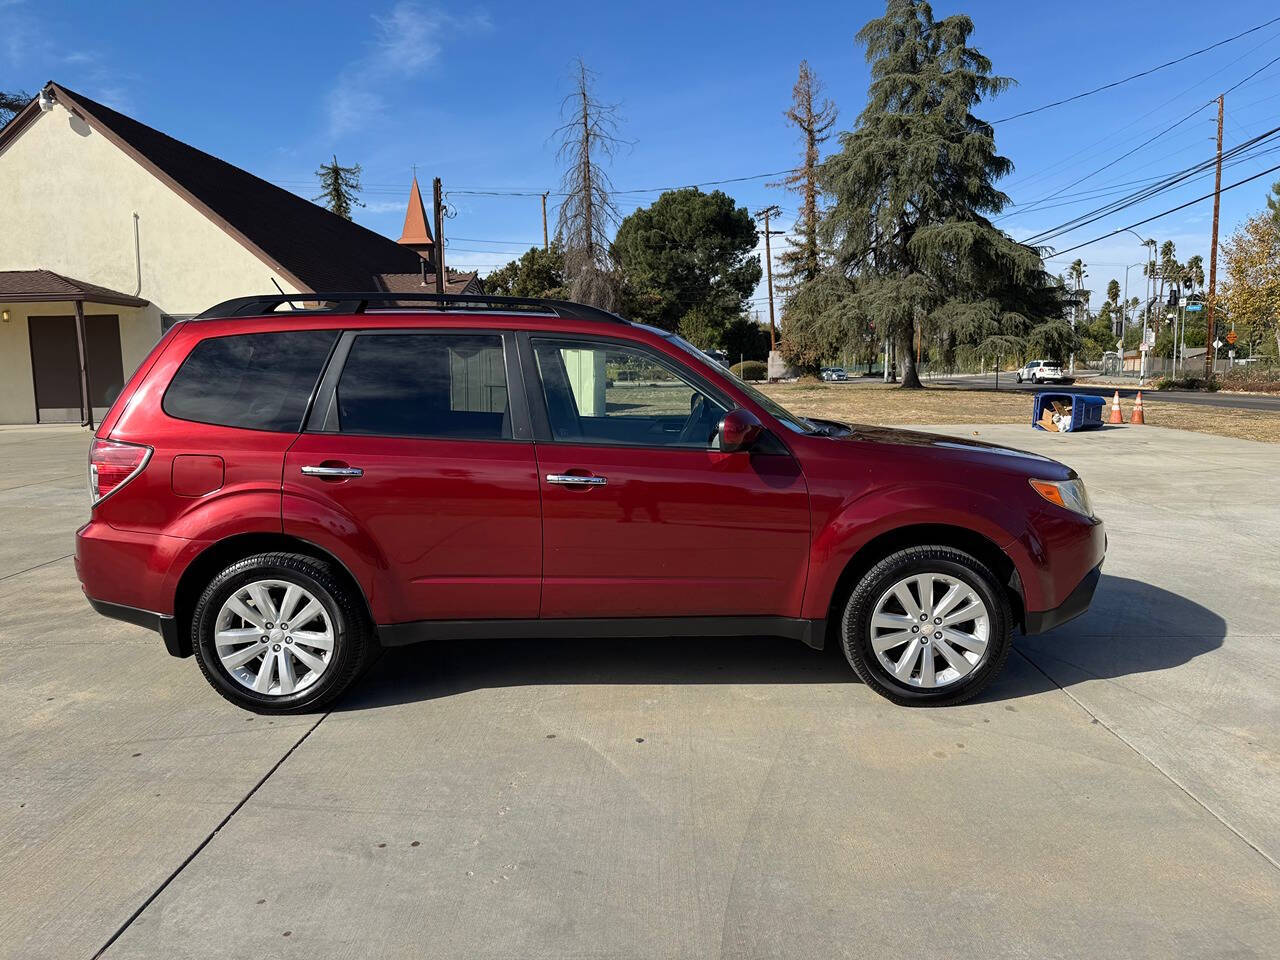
(71,103)
(19,121)
(115,300)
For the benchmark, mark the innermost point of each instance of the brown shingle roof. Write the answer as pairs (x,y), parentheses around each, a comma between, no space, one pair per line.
(28,286)
(413,282)
(316,248)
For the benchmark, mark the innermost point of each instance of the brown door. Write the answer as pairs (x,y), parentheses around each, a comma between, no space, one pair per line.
(55,365)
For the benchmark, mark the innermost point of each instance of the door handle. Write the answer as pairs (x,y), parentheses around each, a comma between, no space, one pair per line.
(573,479)
(321,471)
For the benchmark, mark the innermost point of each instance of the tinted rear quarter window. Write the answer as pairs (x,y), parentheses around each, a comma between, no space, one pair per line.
(259,381)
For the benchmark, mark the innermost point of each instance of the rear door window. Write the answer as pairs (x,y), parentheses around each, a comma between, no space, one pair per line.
(445,385)
(259,381)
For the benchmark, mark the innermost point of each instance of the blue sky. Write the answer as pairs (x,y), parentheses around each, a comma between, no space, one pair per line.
(471,93)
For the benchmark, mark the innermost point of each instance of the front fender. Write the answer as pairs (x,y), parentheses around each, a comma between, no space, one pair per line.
(861,520)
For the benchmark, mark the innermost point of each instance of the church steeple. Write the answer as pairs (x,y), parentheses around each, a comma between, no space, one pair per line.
(416,233)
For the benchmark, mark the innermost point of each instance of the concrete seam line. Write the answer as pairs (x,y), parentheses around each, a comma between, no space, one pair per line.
(36,483)
(10,576)
(1165,773)
(205,842)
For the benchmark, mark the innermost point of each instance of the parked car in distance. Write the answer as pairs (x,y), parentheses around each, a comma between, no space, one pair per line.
(1042,371)
(834,374)
(280,491)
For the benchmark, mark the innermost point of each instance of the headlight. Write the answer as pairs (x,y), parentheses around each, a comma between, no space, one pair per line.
(1068,494)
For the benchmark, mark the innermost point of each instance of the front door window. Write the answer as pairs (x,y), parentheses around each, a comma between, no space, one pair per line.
(597,393)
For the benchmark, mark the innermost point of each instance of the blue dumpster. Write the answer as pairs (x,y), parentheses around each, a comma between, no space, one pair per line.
(1067,412)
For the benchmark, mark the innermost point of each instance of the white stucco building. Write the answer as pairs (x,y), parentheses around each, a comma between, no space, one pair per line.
(109,228)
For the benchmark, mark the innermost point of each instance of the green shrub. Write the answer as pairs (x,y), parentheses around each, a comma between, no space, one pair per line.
(750,370)
(1186,383)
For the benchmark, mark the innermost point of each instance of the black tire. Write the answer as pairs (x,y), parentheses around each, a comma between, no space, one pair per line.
(353,643)
(856,624)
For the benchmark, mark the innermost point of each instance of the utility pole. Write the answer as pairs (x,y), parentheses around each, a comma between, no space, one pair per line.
(1213,250)
(439,245)
(545,245)
(770,211)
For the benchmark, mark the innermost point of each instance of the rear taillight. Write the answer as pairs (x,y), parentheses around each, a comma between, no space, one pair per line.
(112,464)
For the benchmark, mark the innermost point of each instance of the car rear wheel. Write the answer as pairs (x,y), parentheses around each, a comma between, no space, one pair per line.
(280,633)
(927,626)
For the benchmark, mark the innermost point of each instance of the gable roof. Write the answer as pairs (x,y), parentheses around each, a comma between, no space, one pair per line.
(416,233)
(309,246)
(34,286)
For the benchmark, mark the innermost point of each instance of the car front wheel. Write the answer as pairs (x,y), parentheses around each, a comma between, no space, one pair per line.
(927,626)
(280,633)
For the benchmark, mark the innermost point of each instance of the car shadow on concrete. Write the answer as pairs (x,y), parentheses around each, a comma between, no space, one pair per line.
(1132,627)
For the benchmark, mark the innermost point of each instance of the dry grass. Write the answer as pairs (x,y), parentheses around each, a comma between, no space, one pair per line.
(940,405)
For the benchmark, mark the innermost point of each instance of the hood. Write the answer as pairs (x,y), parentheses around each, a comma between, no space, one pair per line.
(960,450)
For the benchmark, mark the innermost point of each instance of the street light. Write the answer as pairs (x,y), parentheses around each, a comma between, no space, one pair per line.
(1124,316)
(1150,245)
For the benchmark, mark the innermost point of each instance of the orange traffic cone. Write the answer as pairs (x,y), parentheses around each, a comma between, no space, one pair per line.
(1116,415)
(1137,410)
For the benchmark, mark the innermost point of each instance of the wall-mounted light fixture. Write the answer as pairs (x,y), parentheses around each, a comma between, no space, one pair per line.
(4,315)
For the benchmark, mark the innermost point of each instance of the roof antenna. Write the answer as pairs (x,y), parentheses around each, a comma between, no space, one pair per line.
(292,305)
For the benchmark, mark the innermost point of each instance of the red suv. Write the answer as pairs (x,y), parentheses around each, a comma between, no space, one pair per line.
(280,491)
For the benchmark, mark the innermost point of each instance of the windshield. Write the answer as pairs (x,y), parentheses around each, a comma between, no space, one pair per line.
(775,409)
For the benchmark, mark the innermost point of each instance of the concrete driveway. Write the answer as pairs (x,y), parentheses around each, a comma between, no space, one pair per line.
(1116,793)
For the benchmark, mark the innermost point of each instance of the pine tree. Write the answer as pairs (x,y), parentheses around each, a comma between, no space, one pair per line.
(802,262)
(913,185)
(1273,203)
(587,137)
(339,188)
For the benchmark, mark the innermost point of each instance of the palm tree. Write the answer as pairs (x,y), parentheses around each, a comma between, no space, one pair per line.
(1195,272)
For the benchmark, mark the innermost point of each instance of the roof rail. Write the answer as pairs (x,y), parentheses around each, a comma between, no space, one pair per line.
(347,302)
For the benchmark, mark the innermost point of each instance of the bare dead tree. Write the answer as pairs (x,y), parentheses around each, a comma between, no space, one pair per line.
(802,261)
(11,103)
(587,137)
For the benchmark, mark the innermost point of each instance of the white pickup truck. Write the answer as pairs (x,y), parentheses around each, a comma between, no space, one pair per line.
(1042,371)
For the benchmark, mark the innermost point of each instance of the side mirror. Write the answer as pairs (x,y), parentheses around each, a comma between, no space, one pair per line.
(739,430)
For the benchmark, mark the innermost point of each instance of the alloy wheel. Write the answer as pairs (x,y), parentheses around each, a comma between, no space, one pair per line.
(274,637)
(930,630)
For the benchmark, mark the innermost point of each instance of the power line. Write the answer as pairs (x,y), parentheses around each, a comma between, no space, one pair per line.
(1204,171)
(1145,193)
(1139,75)
(1176,97)
(499,192)
(1112,163)
(1182,206)
(1252,75)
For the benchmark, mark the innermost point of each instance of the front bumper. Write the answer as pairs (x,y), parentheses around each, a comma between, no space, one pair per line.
(1076,603)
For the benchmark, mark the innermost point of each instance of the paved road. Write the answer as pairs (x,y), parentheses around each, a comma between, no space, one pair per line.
(1116,793)
(1240,401)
